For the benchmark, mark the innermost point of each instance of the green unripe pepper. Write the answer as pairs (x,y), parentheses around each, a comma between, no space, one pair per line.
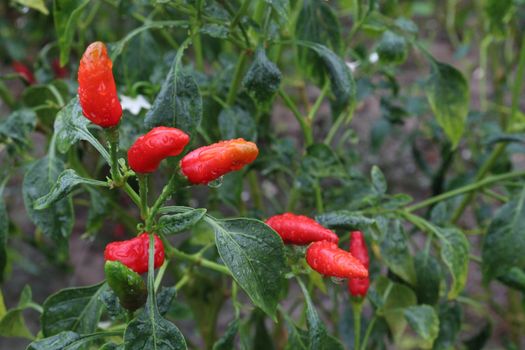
(126,284)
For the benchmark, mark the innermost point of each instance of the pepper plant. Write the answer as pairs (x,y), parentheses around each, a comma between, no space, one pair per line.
(285,174)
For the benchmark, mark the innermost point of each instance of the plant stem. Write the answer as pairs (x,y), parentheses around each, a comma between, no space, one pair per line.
(132,194)
(173,252)
(236,81)
(305,127)
(318,198)
(255,190)
(143,193)
(315,108)
(357,307)
(368,332)
(465,189)
(166,192)
(113,137)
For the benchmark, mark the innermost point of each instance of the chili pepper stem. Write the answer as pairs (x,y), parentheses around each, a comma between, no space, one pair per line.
(113,140)
(166,192)
(357,307)
(143,193)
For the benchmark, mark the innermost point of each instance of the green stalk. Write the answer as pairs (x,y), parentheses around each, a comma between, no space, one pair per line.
(237,77)
(368,332)
(305,127)
(357,307)
(143,193)
(113,140)
(173,252)
(255,191)
(465,189)
(318,198)
(166,192)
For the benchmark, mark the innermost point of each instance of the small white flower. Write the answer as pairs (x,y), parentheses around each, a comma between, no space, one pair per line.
(352,65)
(134,105)
(374,57)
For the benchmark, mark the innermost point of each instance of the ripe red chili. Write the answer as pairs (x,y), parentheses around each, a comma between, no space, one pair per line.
(96,87)
(24,71)
(300,229)
(328,259)
(134,252)
(145,155)
(358,287)
(208,163)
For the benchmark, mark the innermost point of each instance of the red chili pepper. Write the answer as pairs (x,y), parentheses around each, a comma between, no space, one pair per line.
(24,71)
(96,87)
(328,259)
(60,72)
(134,252)
(300,229)
(145,155)
(358,287)
(208,163)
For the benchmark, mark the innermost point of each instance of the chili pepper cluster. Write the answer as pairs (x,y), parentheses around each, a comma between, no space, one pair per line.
(323,255)
(100,104)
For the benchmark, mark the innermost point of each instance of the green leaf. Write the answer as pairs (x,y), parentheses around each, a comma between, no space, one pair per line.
(12,323)
(504,242)
(318,23)
(345,220)
(428,275)
(479,340)
(396,253)
(514,278)
(318,337)
(449,326)
(498,14)
(165,297)
(64,341)
(99,210)
(392,48)
(38,5)
(341,81)
(378,180)
(70,125)
(227,341)
(449,96)
(46,99)
(236,122)
(281,7)
(65,184)
(396,298)
(151,331)
(297,338)
(263,78)
(18,127)
(4,232)
(179,102)
(455,251)
(254,254)
(56,221)
(424,321)
(66,14)
(215,30)
(73,309)
(170,224)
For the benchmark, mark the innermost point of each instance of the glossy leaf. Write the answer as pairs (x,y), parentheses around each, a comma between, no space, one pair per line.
(12,323)
(424,321)
(345,220)
(263,78)
(56,221)
(395,299)
(70,126)
(318,23)
(170,224)
(64,341)
(455,251)
(73,309)
(514,278)
(449,96)
(378,180)
(254,254)
(38,5)
(227,341)
(504,242)
(449,326)
(341,81)
(65,184)
(318,337)
(179,103)
(396,253)
(17,127)
(428,276)
(236,122)
(66,14)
